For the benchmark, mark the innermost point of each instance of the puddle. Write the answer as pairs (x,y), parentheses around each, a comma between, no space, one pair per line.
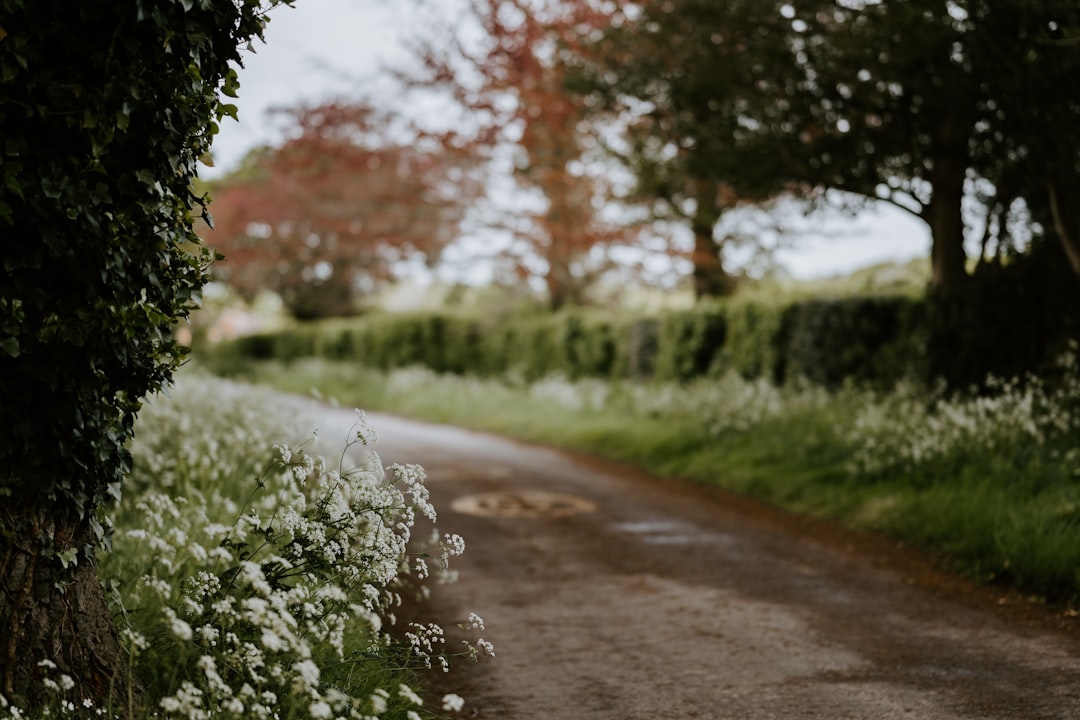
(665,532)
(647,527)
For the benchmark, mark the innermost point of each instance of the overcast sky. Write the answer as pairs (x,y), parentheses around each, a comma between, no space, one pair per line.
(321,49)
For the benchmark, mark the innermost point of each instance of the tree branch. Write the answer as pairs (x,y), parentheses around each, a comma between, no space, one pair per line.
(1071,249)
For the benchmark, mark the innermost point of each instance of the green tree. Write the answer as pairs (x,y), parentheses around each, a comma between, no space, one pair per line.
(106,108)
(1031,155)
(917,103)
(688,83)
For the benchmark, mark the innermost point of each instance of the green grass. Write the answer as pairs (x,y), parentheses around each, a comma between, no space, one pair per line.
(958,478)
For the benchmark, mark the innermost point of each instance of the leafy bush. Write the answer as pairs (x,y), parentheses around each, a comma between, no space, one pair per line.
(754,342)
(863,339)
(636,349)
(689,342)
(589,343)
(1014,316)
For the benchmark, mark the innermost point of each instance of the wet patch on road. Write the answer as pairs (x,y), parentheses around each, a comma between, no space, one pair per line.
(662,532)
(522,504)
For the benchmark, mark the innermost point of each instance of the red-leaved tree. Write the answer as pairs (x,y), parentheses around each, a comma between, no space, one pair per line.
(339,207)
(510,81)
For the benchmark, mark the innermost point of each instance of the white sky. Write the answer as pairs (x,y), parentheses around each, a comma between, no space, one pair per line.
(322,49)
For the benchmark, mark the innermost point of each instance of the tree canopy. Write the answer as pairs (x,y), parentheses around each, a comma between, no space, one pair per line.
(923,104)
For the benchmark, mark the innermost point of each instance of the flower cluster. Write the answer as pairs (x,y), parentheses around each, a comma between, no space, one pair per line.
(269,594)
(1011,418)
(729,403)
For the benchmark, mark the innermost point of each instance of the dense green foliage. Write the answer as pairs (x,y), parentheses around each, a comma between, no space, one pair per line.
(106,109)
(927,105)
(1011,318)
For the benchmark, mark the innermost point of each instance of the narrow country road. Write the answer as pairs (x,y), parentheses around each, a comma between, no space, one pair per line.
(614,595)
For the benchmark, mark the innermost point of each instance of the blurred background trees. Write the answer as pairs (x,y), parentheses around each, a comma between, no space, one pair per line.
(511,83)
(339,207)
(933,107)
(627,132)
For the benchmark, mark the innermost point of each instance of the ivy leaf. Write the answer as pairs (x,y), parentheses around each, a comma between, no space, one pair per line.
(69,558)
(231,84)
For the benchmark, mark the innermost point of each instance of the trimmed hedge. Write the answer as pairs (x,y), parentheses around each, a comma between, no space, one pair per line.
(689,343)
(870,340)
(755,340)
(1014,316)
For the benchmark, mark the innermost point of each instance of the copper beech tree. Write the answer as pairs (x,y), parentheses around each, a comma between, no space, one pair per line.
(510,82)
(332,211)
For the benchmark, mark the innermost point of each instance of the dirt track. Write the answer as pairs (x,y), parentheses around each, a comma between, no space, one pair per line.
(629,596)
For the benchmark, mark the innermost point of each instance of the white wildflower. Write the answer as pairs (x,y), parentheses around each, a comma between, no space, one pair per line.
(363,429)
(272,641)
(133,640)
(320,710)
(406,692)
(453,703)
(307,674)
(179,628)
(378,701)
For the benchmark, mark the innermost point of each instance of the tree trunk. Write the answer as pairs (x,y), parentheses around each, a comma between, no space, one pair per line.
(948,261)
(563,288)
(710,277)
(56,614)
(1068,242)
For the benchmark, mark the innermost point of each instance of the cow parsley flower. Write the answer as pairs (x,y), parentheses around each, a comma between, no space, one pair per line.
(363,430)
(452,702)
(409,694)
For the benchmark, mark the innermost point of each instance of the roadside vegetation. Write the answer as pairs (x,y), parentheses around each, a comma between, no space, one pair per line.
(988,482)
(572,148)
(258,579)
